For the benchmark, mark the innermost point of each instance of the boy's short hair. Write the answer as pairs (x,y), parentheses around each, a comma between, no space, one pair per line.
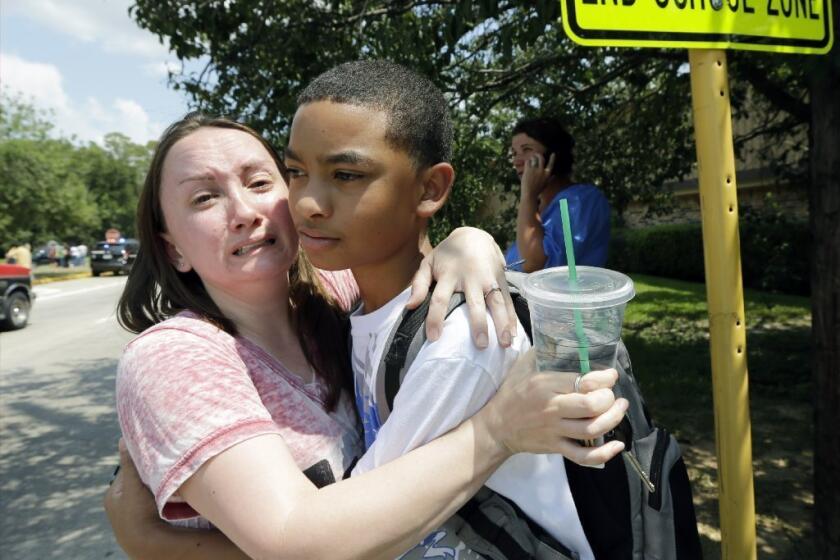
(417,112)
(551,133)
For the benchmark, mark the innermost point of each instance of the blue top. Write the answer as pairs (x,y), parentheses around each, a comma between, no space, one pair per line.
(589,213)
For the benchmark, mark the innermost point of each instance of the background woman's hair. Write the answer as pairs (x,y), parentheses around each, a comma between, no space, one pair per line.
(550,132)
(155,290)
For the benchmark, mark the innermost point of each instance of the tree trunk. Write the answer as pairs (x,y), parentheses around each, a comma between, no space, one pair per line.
(825,297)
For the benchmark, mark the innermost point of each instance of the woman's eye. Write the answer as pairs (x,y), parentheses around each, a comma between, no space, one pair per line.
(262,184)
(294,173)
(202,199)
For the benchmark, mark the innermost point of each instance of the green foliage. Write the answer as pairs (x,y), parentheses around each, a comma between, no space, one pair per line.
(777,250)
(19,120)
(774,254)
(114,175)
(672,251)
(497,61)
(42,193)
(51,188)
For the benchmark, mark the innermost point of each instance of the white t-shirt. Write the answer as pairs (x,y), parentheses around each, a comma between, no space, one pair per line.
(449,381)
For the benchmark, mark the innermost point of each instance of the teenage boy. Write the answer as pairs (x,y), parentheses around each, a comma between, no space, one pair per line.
(368,164)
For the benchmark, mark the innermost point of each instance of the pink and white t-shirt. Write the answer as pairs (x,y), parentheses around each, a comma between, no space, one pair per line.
(186,391)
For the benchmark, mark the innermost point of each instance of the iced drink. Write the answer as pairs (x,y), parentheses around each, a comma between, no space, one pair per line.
(576,321)
(577,325)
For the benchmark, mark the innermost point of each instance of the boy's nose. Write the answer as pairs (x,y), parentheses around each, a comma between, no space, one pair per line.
(313,203)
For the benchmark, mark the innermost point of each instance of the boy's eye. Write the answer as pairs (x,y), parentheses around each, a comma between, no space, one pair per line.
(347,176)
(293,172)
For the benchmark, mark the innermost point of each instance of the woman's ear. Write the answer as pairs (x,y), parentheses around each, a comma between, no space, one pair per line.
(437,184)
(175,257)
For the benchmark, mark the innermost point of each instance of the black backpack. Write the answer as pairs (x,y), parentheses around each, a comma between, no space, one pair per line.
(621,517)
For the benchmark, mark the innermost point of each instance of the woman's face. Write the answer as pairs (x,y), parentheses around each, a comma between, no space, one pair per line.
(523,147)
(226,209)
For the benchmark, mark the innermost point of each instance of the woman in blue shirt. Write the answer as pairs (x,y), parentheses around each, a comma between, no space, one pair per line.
(541,152)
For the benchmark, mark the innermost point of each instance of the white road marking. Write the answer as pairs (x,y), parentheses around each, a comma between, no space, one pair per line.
(50,297)
(42,291)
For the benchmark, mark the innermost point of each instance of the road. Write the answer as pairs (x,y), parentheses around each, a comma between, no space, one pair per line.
(58,426)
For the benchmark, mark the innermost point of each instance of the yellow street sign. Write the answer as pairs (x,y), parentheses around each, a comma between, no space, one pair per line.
(794,26)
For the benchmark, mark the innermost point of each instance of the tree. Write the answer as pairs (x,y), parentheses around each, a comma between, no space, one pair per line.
(499,60)
(825,291)
(114,174)
(51,188)
(20,120)
(496,61)
(42,195)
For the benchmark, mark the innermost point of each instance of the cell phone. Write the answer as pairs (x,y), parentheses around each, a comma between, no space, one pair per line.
(546,157)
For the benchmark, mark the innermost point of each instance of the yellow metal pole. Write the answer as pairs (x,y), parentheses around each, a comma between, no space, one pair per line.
(722,255)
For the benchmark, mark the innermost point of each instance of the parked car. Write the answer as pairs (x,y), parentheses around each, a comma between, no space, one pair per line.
(43,255)
(16,296)
(40,256)
(114,257)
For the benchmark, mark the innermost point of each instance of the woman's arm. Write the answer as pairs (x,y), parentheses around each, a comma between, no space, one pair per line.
(256,494)
(529,228)
(142,534)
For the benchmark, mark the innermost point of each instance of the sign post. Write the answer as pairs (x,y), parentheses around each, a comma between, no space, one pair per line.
(724,293)
(706,27)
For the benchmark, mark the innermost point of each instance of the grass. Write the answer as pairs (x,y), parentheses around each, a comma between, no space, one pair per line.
(666,332)
(47,273)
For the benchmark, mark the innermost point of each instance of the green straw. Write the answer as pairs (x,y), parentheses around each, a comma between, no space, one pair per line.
(583,349)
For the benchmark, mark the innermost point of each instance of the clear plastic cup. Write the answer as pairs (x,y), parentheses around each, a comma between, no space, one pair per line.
(577,322)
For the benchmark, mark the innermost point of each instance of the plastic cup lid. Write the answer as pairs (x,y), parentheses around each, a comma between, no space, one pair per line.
(596,288)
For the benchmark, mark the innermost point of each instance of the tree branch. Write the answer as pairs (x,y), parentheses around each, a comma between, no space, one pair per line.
(775,94)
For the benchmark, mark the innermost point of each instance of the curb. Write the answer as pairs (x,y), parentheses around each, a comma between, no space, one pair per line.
(74,276)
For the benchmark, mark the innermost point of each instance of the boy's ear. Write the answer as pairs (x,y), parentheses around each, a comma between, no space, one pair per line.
(175,257)
(437,184)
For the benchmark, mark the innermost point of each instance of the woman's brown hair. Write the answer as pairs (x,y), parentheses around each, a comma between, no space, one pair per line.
(155,290)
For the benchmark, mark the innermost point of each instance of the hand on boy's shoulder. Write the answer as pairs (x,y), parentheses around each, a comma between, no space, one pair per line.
(456,341)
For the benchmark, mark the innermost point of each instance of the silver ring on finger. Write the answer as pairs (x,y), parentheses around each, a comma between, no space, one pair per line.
(494,287)
(577,382)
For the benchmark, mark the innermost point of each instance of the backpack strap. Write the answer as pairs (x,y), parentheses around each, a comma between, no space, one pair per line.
(500,522)
(637,418)
(402,347)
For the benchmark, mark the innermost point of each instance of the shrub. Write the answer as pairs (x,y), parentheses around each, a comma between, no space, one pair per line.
(774,253)
(672,251)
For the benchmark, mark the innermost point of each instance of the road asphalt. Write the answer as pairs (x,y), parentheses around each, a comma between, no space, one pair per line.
(58,425)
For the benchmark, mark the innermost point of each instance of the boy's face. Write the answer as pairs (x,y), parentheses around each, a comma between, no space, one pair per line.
(353,197)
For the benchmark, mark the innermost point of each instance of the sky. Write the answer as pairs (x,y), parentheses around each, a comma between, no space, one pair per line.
(91,64)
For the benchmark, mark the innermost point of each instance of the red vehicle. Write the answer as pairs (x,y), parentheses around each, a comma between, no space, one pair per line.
(16,296)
